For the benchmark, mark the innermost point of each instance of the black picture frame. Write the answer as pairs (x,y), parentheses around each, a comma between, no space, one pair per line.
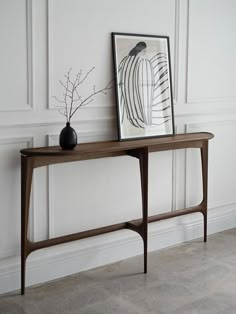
(143,86)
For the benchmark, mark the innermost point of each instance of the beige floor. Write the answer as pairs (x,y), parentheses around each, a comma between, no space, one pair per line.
(191,278)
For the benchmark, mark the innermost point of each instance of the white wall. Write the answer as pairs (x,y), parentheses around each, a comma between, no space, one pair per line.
(40,41)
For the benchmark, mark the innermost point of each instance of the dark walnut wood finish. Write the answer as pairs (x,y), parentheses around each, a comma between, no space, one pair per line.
(44,156)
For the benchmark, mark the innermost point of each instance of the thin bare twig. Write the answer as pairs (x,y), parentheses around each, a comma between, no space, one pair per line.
(57,99)
(88,98)
(72,95)
(86,76)
(62,113)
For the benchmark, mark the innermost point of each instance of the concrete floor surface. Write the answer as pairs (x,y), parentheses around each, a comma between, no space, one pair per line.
(192,278)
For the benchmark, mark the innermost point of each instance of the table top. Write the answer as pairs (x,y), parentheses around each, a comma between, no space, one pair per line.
(153,144)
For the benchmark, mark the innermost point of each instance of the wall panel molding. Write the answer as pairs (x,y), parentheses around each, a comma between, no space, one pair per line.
(29,56)
(187,53)
(228,100)
(176,51)
(204,112)
(50,51)
(174,177)
(16,140)
(211,100)
(191,127)
(30,51)
(84,123)
(206,124)
(174,181)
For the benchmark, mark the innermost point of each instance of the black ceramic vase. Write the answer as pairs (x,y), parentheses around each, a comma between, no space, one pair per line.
(68,137)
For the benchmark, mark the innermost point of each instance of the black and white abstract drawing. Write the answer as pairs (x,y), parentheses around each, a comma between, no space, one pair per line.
(143,85)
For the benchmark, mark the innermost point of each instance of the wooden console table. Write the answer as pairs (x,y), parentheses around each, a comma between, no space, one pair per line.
(44,156)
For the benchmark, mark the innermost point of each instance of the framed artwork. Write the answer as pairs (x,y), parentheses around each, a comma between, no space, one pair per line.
(143,86)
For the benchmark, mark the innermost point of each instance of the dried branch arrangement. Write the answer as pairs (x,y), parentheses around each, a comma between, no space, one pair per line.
(72,100)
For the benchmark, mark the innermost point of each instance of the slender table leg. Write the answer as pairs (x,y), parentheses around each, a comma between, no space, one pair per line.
(143,163)
(204,159)
(26,179)
(142,228)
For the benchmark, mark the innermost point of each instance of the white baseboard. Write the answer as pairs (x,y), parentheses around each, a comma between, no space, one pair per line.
(63,260)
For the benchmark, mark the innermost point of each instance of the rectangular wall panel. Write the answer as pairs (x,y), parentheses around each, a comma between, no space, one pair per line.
(211,51)
(222,166)
(16,55)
